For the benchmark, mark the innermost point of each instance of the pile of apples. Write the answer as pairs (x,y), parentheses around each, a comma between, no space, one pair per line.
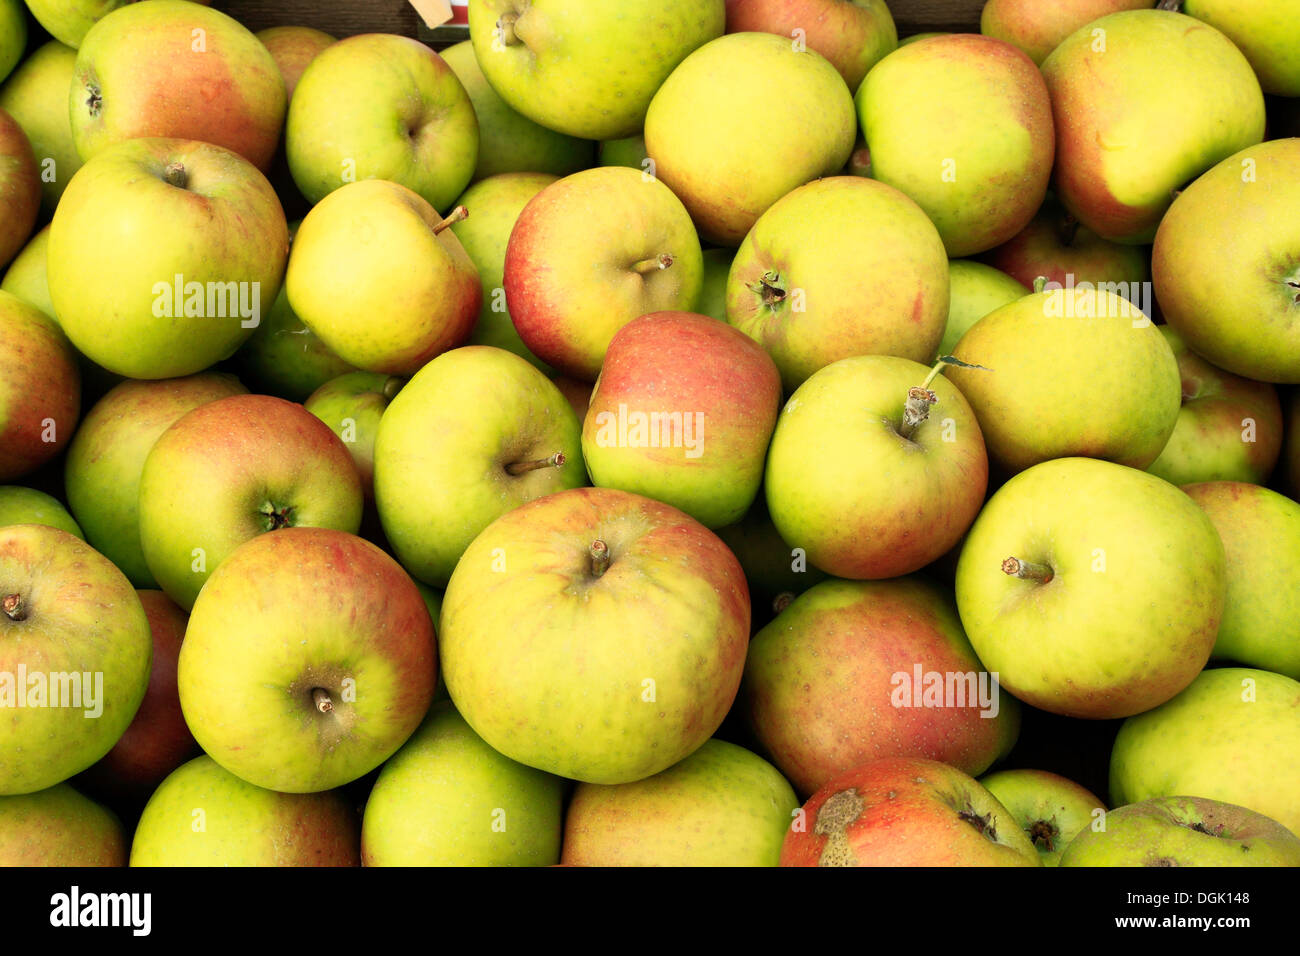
(664,432)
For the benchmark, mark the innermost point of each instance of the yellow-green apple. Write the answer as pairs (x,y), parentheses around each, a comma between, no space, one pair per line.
(917,37)
(590,253)
(233,469)
(106,459)
(905,811)
(380,278)
(852,671)
(974,290)
(1092,589)
(74,656)
(683,412)
(19,505)
(712,300)
(202,815)
(721,806)
(1261,536)
(171,68)
(842,266)
(352,405)
(709,129)
(13,35)
(1070,371)
(774,571)
(1261,30)
(293,48)
(189,242)
(40,388)
(864,479)
(26,276)
(1144,101)
(20,188)
(625,151)
(497,202)
(442,476)
(36,95)
(1185,831)
(1038,28)
(448,799)
(69,20)
(595,634)
(576,393)
(963,125)
(509,142)
(380,106)
(1050,809)
(587,68)
(59,827)
(1226,263)
(853,35)
(308,660)
(1229,428)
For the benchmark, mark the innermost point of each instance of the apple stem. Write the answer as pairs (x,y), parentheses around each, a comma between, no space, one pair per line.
(1028,570)
(174,174)
(459,214)
(392,385)
(647,266)
(1067,229)
(14,608)
(1040,283)
(1175,6)
(506,28)
(769,289)
(599,557)
(321,698)
(523,467)
(782,601)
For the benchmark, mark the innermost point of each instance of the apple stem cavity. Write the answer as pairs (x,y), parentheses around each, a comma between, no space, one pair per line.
(599,557)
(459,214)
(656,264)
(770,289)
(782,601)
(506,29)
(1067,229)
(321,698)
(174,174)
(523,467)
(14,607)
(1175,6)
(276,518)
(916,409)
(1027,570)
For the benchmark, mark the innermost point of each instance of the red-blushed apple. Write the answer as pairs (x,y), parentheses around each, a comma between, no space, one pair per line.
(309,659)
(234,469)
(974,290)
(19,505)
(40,388)
(20,188)
(852,671)
(1049,808)
(905,811)
(293,48)
(176,69)
(589,254)
(595,634)
(1038,28)
(683,412)
(352,405)
(36,95)
(59,827)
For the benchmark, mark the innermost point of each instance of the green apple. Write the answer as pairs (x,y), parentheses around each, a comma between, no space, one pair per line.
(36,95)
(776,573)
(1093,590)
(1050,809)
(974,290)
(26,275)
(448,799)
(13,35)
(20,505)
(1038,28)
(40,395)
(20,188)
(69,20)
(626,151)
(709,129)
(309,659)
(1261,29)
(721,806)
(1185,831)
(442,476)
(713,287)
(106,459)
(59,827)
(293,48)
(74,656)
(352,405)
(963,125)
(202,815)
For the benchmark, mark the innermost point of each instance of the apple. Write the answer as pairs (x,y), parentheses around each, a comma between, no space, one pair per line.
(1226,263)
(721,806)
(683,412)
(1260,31)
(974,290)
(1185,831)
(202,815)
(448,799)
(1144,101)
(575,392)
(1229,428)
(625,151)
(379,106)
(774,571)
(1040,355)
(1050,809)
(69,20)
(20,505)
(40,389)
(1291,445)
(963,125)
(863,479)
(36,95)
(26,276)
(508,141)
(855,670)
(13,35)
(595,634)
(1038,28)
(905,811)
(712,300)
(840,267)
(587,68)
(379,277)
(1092,589)
(74,656)
(20,188)
(710,129)
(293,48)
(106,459)
(59,827)
(309,659)
(441,476)
(589,254)
(352,405)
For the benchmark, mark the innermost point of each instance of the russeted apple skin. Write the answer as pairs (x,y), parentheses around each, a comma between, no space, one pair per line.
(720,384)
(818,688)
(721,806)
(1226,263)
(1137,116)
(20,188)
(39,384)
(1038,798)
(1263,31)
(293,48)
(139,74)
(962,124)
(59,827)
(905,811)
(1130,613)
(974,290)
(1038,28)
(1184,831)
(242,824)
